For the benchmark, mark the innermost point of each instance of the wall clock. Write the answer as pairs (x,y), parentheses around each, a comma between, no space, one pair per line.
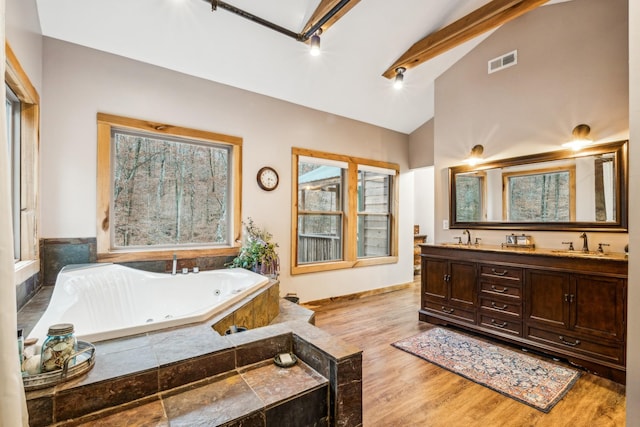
(267,178)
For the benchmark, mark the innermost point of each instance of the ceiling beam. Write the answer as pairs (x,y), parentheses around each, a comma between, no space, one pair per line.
(488,17)
(323,9)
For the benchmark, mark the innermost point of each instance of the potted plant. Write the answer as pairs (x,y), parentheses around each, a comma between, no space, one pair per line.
(258,252)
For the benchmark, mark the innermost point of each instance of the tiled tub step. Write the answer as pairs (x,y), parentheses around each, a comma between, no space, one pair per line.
(260,395)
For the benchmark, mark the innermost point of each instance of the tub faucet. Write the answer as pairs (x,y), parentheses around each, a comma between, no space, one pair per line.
(585,244)
(175,265)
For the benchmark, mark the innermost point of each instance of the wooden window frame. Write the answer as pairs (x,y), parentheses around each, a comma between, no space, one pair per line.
(570,169)
(16,78)
(350,225)
(105,251)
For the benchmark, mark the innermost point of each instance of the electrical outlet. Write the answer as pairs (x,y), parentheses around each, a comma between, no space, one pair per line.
(445,224)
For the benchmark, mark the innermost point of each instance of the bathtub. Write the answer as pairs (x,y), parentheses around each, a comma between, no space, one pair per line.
(106,301)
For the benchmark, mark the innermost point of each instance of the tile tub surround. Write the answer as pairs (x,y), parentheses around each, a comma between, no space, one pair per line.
(179,361)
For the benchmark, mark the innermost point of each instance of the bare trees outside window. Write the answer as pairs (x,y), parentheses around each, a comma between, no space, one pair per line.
(169,191)
(164,188)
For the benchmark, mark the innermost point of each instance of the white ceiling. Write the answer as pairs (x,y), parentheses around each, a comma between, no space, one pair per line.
(186,36)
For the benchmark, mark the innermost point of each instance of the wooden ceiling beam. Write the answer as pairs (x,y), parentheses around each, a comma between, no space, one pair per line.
(489,16)
(323,9)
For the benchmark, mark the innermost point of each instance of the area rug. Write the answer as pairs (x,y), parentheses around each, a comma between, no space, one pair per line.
(529,380)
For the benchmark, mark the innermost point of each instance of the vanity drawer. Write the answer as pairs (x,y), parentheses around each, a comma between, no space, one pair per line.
(452,312)
(512,326)
(491,304)
(510,289)
(500,272)
(575,344)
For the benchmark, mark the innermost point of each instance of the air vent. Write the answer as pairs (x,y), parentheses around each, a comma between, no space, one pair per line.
(504,61)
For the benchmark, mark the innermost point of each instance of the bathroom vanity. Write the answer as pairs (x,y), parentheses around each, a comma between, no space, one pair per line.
(567,304)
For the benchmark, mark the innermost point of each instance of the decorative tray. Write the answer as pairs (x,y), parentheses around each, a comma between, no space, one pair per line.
(85,359)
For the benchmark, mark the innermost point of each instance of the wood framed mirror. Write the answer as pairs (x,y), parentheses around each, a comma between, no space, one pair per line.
(558,190)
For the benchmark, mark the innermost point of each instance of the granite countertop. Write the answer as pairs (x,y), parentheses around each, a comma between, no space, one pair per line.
(610,256)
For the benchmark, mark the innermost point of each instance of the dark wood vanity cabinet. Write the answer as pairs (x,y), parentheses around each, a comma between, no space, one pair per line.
(449,288)
(569,307)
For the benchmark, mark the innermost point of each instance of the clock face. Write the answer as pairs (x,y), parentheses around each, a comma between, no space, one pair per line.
(267,178)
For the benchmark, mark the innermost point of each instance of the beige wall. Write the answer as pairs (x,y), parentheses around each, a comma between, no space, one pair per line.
(572,68)
(23,34)
(79,82)
(421,146)
(633,324)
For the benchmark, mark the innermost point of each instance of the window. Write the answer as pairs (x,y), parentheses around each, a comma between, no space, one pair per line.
(470,189)
(546,195)
(344,211)
(163,189)
(13,142)
(22,104)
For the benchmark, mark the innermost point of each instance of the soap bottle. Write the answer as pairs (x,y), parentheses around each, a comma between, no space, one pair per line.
(58,347)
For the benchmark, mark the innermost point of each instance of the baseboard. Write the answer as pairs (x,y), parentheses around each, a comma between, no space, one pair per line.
(358,295)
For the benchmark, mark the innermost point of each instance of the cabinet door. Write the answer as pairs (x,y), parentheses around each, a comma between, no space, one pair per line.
(547,298)
(598,306)
(434,279)
(462,284)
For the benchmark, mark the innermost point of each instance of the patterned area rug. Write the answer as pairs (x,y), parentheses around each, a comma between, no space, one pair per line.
(535,382)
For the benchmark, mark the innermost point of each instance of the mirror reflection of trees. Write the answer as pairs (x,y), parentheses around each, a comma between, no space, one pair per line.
(168,191)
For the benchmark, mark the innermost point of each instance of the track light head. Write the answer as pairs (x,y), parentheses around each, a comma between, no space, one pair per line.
(398,82)
(314,43)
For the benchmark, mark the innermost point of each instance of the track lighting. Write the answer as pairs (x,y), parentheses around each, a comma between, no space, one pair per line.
(399,80)
(314,43)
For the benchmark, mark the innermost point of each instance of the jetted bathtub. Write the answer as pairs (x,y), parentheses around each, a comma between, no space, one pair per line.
(105,301)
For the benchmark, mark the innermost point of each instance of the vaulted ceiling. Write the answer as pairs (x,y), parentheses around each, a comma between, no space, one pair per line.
(363,41)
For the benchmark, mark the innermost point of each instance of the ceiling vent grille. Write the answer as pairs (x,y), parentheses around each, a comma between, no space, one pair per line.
(504,61)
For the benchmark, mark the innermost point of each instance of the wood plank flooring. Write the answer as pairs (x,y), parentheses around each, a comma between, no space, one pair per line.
(400,389)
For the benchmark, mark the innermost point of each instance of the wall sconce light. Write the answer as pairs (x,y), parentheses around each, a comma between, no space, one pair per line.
(314,43)
(475,155)
(398,82)
(580,138)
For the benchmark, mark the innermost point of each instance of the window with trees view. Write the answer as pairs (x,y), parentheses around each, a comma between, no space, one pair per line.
(167,188)
(23,136)
(344,212)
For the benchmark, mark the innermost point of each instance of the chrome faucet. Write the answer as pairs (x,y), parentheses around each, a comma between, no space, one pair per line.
(468,233)
(175,265)
(585,244)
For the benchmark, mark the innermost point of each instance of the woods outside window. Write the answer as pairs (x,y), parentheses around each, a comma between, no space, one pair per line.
(23,130)
(162,188)
(344,212)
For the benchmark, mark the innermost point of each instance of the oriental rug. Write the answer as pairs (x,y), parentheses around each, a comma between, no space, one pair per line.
(527,379)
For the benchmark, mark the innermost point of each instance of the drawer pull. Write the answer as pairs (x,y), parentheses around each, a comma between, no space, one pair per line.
(572,344)
(499,325)
(446,310)
(494,305)
(503,290)
(501,273)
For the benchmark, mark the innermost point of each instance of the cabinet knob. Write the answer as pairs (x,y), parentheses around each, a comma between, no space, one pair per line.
(447,310)
(503,290)
(498,325)
(499,273)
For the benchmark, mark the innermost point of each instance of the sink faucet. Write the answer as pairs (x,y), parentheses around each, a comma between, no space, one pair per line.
(585,244)
(468,233)
(175,265)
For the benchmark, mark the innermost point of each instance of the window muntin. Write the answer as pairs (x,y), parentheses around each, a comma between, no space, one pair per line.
(13,111)
(169,191)
(342,203)
(214,204)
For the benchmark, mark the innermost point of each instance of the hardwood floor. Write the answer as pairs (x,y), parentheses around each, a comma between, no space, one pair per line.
(400,389)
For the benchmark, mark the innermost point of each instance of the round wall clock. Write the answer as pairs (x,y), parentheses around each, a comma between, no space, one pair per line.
(267,178)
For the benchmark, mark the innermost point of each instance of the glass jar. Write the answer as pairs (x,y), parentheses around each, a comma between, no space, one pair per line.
(58,347)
